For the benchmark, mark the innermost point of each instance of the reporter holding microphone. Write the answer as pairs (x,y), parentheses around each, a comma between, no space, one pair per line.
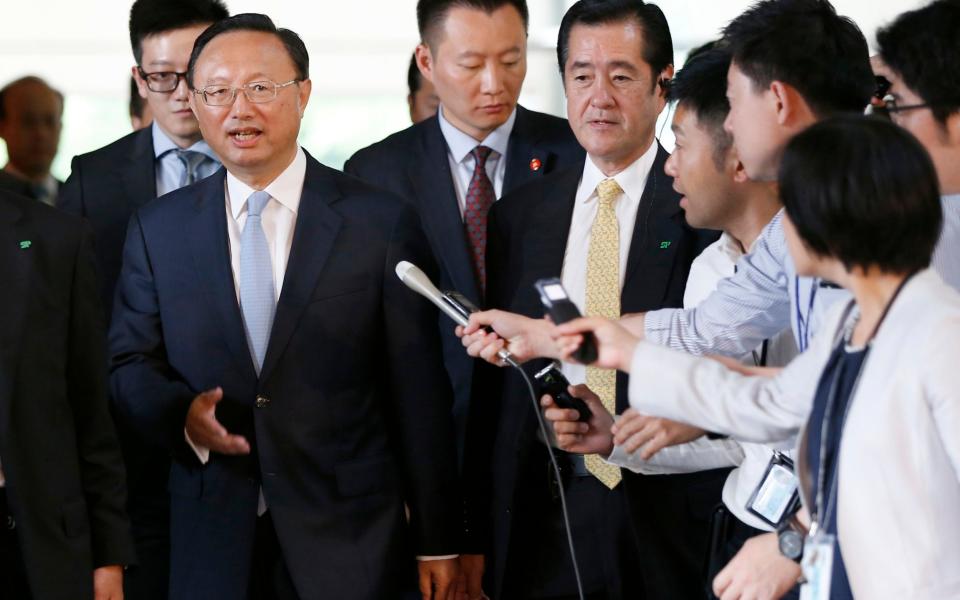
(876,398)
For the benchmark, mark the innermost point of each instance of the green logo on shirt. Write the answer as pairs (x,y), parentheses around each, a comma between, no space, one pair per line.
(664,245)
(25,244)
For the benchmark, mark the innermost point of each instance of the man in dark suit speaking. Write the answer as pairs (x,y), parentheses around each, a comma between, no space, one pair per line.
(481,145)
(63,530)
(261,334)
(613,230)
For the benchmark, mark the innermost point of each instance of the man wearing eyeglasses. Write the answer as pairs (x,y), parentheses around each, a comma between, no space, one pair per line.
(919,55)
(106,186)
(261,335)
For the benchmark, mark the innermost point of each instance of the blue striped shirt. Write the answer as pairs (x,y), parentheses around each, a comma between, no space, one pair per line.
(766,294)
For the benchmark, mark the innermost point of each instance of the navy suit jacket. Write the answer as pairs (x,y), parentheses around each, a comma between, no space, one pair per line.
(413,163)
(61,458)
(350,416)
(106,186)
(528,233)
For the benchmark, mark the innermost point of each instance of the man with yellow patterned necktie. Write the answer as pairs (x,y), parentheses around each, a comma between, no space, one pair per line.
(611,228)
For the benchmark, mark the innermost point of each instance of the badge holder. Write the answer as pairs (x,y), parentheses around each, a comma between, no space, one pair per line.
(776,498)
(817,566)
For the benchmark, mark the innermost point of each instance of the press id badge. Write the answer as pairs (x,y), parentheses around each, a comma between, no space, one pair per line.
(817,566)
(776,498)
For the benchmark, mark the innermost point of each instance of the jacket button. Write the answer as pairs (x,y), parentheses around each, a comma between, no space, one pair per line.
(262,401)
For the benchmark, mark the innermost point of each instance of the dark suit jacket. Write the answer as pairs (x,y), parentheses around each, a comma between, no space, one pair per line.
(413,163)
(58,448)
(106,186)
(349,419)
(528,233)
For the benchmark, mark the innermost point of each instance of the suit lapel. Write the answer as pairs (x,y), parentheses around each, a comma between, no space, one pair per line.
(140,175)
(440,210)
(15,275)
(547,244)
(526,159)
(316,229)
(210,246)
(652,236)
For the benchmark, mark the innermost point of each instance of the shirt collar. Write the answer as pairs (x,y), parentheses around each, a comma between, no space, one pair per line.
(632,180)
(951,198)
(162,144)
(49,182)
(460,144)
(285,189)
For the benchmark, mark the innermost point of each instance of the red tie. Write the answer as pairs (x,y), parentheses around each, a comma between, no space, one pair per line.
(480,197)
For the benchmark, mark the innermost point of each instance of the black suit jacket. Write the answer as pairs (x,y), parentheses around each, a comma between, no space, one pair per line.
(413,163)
(348,420)
(528,233)
(58,448)
(106,186)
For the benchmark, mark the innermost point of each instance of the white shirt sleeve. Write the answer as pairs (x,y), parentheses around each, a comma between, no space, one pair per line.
(701,454)
(706,394)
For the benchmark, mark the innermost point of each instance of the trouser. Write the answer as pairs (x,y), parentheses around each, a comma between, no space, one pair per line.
(269,577)
(13,573)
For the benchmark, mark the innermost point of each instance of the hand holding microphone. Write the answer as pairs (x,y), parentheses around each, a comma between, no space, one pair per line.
(452,304)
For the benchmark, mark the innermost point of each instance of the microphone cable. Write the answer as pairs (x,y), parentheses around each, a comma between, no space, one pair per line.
(556,470)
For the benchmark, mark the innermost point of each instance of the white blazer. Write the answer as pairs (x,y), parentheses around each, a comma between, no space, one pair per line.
(899,471)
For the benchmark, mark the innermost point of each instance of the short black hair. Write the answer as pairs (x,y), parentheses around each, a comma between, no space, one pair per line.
(432,13)
(23,80)
(149,17)
(807,45)
(136,102)
(414,77)
(921,46)
(657,41)
(253,22)
(701,86)
(863,191)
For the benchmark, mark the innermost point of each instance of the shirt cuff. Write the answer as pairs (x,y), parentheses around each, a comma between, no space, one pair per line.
(656,325)
(203,454)
(446,557)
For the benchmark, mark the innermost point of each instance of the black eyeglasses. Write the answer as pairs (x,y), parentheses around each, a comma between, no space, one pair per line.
(162,81)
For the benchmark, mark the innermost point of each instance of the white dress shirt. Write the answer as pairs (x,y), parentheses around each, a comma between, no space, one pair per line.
(632,181)
(459,146)
(898,505)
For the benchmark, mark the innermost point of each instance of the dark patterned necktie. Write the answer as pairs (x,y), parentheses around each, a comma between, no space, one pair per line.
(480,197)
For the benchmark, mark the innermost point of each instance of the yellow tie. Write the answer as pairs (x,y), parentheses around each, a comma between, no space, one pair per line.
(603,300)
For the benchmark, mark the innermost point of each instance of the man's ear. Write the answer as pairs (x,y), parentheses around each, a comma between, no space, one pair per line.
(664,82)
(791,108)
(739,171)
(952,128)
(141,84)
(425,61)
(306,86)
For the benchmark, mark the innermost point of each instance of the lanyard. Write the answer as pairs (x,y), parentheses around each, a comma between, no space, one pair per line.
(828,414)
(803,324)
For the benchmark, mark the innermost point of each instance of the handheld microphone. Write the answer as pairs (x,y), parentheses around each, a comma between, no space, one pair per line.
(452,304)
(459,308)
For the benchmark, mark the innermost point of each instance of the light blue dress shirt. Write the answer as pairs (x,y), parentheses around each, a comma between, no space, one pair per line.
(765,294)
(170,169)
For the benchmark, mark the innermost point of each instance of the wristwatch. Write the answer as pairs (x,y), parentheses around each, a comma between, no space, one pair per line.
(791,543)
